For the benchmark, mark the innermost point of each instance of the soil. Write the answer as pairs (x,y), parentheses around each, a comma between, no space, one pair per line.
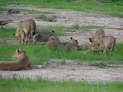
(56,70)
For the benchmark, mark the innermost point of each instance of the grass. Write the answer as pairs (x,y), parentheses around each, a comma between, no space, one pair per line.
(39,54)
(35,11)
(83,5)
(76,26)
(47,18)
(30,11)
(59,30)
(8,32)
(116,14)
(14,85)
(2,9)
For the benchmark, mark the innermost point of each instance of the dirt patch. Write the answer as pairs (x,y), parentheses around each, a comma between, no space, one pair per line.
(77,17)
(69,71)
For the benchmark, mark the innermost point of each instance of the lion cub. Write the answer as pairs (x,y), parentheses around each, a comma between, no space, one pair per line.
(73,44)
(43,36)
(23,61)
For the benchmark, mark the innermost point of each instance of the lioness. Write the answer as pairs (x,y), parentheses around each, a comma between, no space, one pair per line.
(43,36)
(23,61)
(27,28)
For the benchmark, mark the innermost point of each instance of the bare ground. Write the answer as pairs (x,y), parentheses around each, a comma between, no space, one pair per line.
(69,71)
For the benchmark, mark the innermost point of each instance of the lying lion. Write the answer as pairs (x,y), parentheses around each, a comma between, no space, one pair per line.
(23,61)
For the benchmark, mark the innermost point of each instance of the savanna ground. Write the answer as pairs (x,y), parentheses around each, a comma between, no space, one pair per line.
(76,18)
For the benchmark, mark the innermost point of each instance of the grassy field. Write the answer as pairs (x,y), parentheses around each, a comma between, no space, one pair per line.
(84,5)
(111,8)
(39,54)
(2,9)
(59,30)
(7,32)
(14,85)
(33,11)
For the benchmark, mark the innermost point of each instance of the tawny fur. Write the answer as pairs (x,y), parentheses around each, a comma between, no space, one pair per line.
(20,36)
(102,43)
(99,33)
(107,44)
(43,36)
(72,44)
(53,42)
(23,62)
(97,37)
(27,28)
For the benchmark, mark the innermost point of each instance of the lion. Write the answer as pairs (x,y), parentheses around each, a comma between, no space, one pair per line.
(105,44)
(96,39)
(27,28)
(43,36)
(73,44)
(99,33)
(22,63)
(20,36)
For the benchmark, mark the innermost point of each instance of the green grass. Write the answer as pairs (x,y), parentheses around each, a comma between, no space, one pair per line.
(47,18)
(83,5)
(7,32)
(39,12)
(116,14)
(35,11)
(2,9)
(59,30)
(14,85)
(39,54)
(30,11)
(76,26)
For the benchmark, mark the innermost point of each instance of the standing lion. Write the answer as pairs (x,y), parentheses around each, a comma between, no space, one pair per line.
(102,43)
(25,30)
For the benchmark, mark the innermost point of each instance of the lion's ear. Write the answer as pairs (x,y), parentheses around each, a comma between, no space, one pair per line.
(19,51)
(71,38)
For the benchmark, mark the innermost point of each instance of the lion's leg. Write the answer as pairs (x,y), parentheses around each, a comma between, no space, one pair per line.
(23,38)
